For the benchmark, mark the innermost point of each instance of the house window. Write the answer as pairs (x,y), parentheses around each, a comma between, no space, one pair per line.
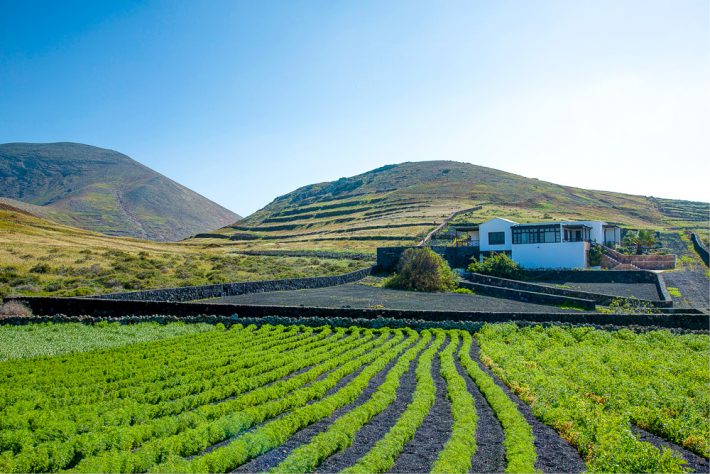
(536,234)
(496,238)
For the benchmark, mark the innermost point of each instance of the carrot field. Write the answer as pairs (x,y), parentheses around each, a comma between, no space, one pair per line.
(291,398)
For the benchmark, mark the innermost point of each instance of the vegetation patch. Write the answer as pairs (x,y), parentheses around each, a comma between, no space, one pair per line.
(592,386)
(497,265)
(421,269)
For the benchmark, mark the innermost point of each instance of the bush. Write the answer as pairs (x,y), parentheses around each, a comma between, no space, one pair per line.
(594,256)
(498,265)
(464,291)
(421,269)
(13,308)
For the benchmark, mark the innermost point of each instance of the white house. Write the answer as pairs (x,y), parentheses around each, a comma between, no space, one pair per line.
(544,244)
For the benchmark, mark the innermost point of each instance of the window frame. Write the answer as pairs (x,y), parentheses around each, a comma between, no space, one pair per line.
(500,234)
(536,234)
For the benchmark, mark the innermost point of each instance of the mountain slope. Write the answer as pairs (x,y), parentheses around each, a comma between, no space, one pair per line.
(40,257)
(400,204)
(104,191)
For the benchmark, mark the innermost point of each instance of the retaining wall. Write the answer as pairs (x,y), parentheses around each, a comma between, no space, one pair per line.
(646,262)
(598,298)
(192,293)
(456,257)
(700,248)
(528,296)
(605,276)
(54,307)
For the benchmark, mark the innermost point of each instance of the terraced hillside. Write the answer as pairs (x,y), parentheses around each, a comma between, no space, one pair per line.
(303,399)
(400,204)
(104,191)
(39,257)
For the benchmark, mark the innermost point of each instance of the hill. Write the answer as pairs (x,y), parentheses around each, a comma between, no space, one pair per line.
(104,191)
(400,204)
(40,257)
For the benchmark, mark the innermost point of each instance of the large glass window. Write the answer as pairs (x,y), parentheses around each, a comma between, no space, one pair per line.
(496,238)
(536,234)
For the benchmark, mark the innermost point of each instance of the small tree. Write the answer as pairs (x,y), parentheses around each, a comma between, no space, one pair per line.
(643,239)
(420,269)
(499,265)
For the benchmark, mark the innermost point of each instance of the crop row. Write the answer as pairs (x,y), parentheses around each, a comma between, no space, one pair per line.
(212,402)
(201,406)
(593,386)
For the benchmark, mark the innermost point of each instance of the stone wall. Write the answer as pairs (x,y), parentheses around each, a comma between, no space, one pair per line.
(644,262)
(456,257)
(527,295)
(192,293)
(597,298)
(700,248)
(58,308)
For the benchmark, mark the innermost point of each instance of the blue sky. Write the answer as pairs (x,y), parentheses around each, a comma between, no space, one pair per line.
(243,101)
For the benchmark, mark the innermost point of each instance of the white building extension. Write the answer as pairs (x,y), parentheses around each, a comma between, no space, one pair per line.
(545,244)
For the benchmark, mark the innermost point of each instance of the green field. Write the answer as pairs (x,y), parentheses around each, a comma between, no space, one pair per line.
(216,399)
(593,385)
(33,340)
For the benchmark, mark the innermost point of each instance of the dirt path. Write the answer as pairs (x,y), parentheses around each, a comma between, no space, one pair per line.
(554,454)
(694,287)
(444,224)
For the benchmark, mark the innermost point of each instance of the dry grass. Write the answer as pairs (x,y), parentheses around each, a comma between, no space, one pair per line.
(15,309)
(42,258)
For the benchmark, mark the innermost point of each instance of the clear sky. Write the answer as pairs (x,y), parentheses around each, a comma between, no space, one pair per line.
(243,101)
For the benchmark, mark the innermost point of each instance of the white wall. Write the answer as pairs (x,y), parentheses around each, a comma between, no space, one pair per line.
(496,225)
(551,255)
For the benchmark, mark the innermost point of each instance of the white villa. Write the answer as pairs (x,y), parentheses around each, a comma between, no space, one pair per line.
(543,244)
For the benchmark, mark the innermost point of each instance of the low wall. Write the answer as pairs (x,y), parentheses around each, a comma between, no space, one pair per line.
(56,307)
(456,257)
(644,262)
(192,293)
(605,276)
(592,276)
(307,254)
(528,296)
(700,248)
(598,298)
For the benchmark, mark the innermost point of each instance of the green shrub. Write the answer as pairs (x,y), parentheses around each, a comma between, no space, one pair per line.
(421,269)
(628,305)
(594,256)
(498,265)
(464,291)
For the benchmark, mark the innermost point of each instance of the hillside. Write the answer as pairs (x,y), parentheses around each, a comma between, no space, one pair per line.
(40,257)
(103,191)
(400,204)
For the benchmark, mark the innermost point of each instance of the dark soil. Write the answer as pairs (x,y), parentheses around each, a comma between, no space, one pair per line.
(272,458)
(377,427)
(490,452)
(693,285)
(554,454)
(354,295)
(695,462)
(421,452)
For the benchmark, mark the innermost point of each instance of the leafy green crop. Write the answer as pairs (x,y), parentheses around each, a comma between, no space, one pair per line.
(592,385)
